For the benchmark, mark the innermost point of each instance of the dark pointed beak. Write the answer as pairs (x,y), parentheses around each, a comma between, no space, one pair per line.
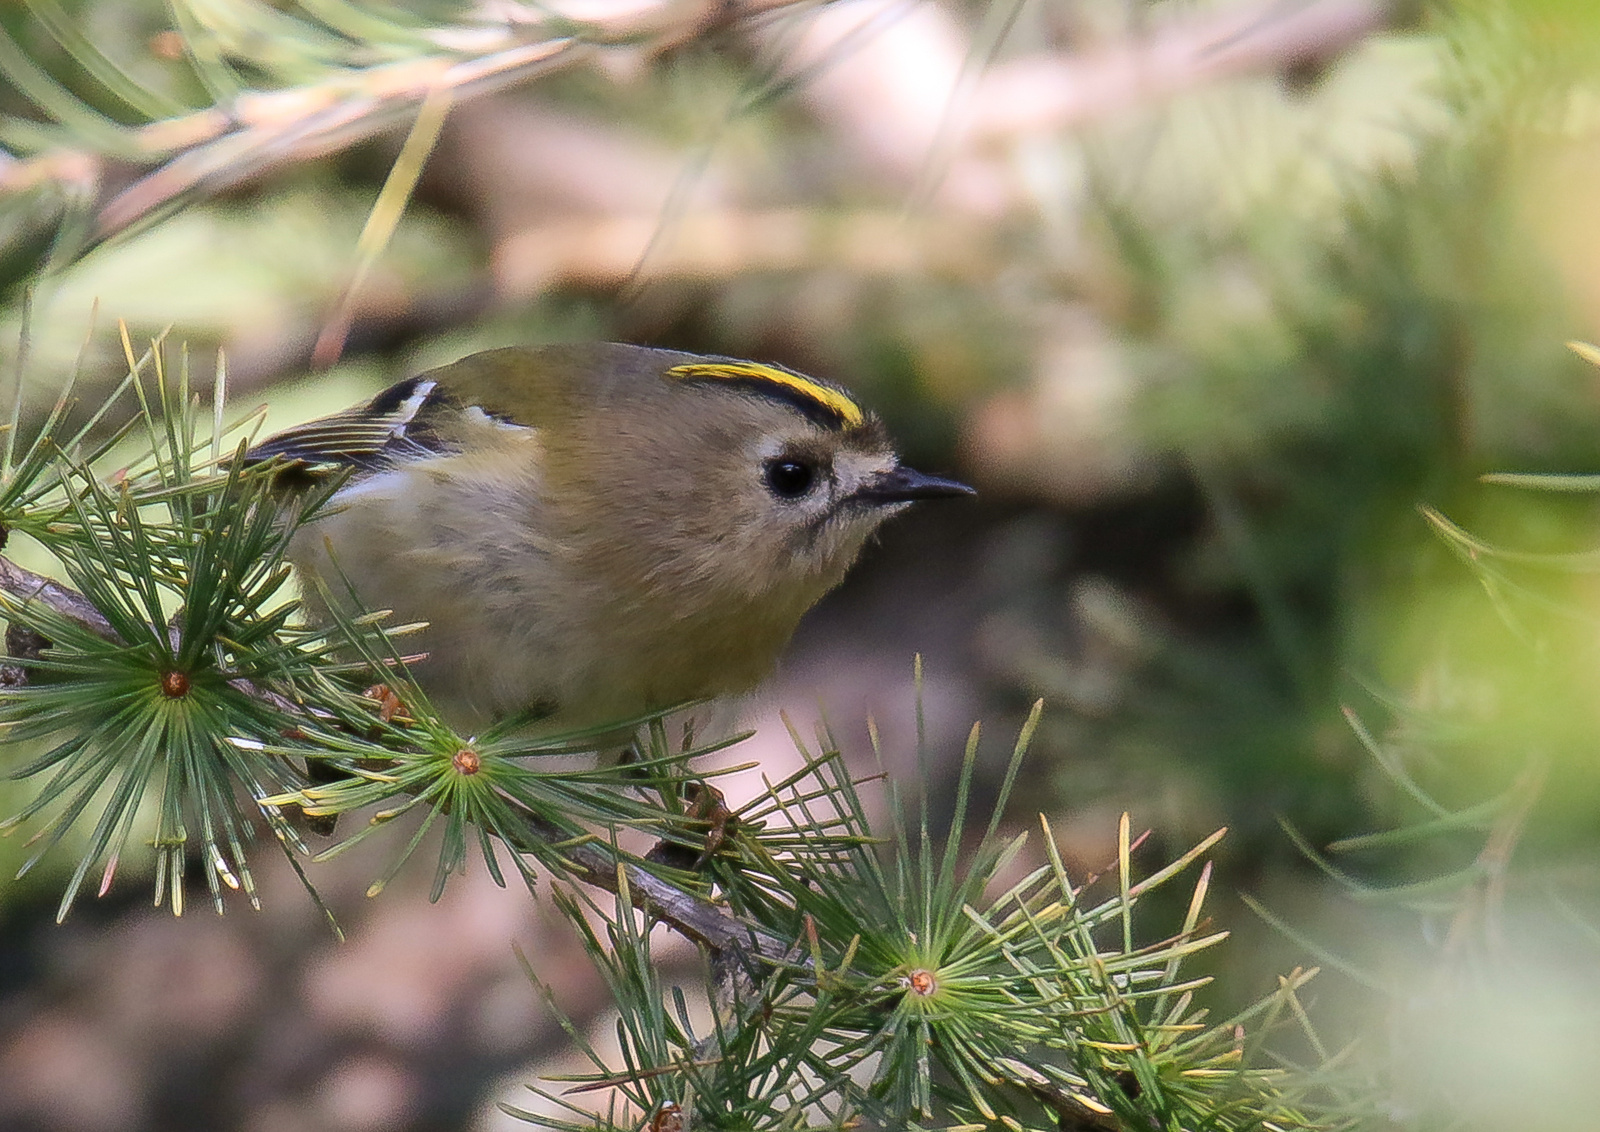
(906,485)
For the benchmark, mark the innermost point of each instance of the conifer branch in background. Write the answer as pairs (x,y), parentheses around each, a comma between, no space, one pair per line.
(80,173)
(326,84)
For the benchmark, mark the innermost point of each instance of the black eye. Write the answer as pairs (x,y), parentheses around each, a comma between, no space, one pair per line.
(790,479)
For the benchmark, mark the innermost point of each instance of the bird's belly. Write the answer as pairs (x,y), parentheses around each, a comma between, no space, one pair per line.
(515,623)
(471,564)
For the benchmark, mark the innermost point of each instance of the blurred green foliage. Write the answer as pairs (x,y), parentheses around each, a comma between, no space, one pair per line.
(1326,339)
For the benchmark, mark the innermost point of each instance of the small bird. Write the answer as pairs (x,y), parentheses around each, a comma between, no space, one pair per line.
(593,532)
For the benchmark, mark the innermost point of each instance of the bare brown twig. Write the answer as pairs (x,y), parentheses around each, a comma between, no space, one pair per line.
(25,586)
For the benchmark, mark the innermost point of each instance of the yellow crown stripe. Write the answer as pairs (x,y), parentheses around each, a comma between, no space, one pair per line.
(829,400)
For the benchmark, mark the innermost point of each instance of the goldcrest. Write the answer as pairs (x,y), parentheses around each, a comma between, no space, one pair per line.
(592,532)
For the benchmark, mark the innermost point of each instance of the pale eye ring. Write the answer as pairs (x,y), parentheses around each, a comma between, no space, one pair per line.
(789,478)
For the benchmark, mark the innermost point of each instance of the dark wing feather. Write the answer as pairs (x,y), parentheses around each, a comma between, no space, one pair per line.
(395,423)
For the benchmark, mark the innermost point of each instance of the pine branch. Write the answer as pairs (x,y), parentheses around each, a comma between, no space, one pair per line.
(953,1001)
(691,914)
(325,104)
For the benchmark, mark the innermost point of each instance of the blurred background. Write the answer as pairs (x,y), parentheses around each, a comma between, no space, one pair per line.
(1225,308)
